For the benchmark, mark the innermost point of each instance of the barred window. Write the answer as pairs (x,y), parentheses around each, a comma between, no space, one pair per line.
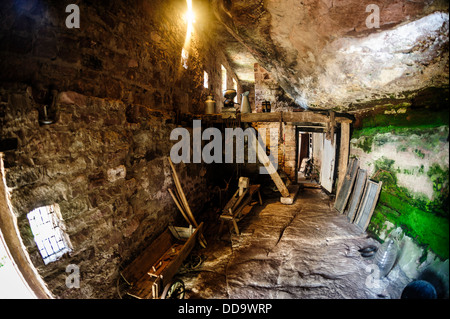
(48,229)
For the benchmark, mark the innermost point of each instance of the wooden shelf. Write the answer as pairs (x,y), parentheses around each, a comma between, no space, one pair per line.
(305,117)
(290,117)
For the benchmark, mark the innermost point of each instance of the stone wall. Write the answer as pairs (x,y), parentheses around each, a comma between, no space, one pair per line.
(124,50)
(267,88)
(119,89)
(105,164)
(214,69)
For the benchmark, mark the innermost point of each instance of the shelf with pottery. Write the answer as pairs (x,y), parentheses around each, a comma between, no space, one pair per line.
(244,112)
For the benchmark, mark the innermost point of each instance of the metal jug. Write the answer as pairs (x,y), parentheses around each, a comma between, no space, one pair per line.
(210,105)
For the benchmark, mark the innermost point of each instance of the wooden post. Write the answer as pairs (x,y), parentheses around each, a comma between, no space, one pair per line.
(332,125)
(343,154)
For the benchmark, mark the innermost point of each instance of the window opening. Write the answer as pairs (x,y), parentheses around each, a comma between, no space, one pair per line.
(184,58)
(205,80)
(48,229)
(224,78)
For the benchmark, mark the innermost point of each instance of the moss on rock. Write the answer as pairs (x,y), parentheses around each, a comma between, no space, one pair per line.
(424,220)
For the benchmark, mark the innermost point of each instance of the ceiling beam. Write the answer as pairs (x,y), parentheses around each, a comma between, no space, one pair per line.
(299,117)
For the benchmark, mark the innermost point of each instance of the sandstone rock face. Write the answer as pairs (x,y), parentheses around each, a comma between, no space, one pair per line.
(324,55)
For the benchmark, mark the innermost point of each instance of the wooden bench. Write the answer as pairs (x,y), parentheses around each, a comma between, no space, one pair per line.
(239,206)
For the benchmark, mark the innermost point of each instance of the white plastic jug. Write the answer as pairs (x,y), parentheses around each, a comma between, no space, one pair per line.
(386,256)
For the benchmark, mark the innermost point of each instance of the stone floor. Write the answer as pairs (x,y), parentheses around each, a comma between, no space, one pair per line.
(304,250)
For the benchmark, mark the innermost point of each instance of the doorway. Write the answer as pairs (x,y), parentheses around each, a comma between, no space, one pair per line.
(305,158)
(316,158)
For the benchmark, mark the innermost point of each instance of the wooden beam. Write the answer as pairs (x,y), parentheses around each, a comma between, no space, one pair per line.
(261,117)
(293,190)
(301,117)
(264,159)
(332,125)
(308,117)
(180,208)
(344,152)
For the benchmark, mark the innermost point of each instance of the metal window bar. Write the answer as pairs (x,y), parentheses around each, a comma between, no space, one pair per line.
(47,232)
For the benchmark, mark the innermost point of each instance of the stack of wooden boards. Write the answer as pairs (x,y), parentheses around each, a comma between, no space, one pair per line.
(358,195)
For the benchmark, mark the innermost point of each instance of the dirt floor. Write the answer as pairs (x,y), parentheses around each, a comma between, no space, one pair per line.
(304,250)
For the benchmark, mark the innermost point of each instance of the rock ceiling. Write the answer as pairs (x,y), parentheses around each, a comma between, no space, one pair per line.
(325,56)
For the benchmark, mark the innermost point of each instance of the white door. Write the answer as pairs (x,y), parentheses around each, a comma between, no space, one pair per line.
(328,160)
(317,144)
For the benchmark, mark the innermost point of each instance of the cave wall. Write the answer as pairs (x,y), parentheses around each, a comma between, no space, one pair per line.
(324,54)
(118,88)
(268,89)
(407,148)
(121,89)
